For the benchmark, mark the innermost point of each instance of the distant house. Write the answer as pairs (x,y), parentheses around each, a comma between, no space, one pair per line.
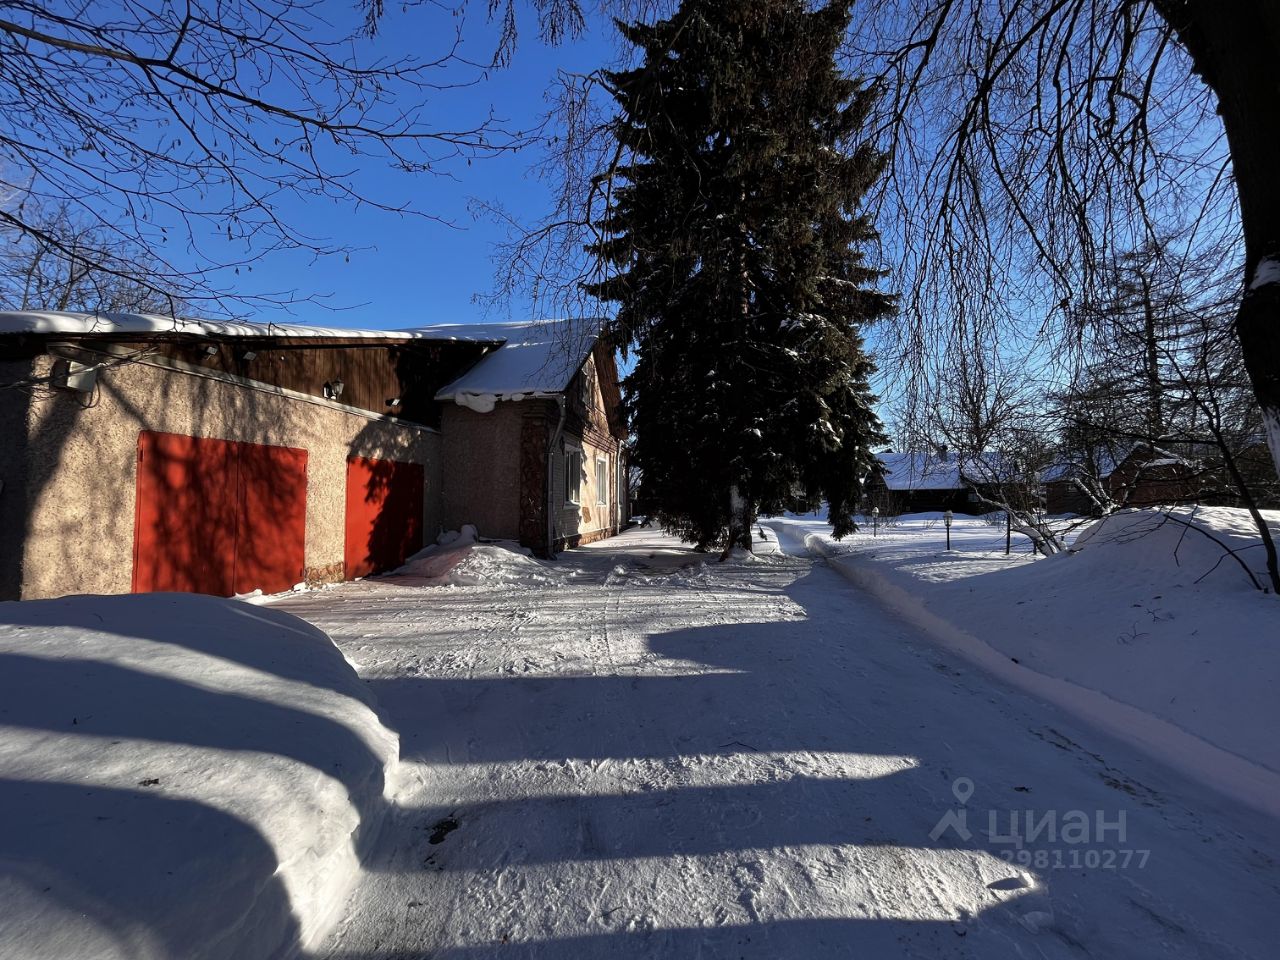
(1145,475)
(933,482)
(1150,476)
(919,483)
(146,453)
(1065,483)
(1142,475)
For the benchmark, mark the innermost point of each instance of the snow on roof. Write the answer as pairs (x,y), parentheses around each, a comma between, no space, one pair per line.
(533,358)
(537,358)
(1059,470)
(920,471)
(1102,462)
(1145,455)
(49,322)
(476,332)
(928,471)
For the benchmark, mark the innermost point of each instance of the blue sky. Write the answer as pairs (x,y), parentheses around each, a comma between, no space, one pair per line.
(413,270)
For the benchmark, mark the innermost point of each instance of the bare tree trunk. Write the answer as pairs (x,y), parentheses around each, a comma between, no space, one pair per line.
(740,521)
(1233,46)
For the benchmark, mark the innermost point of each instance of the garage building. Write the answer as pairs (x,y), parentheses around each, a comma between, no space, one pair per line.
(142,453)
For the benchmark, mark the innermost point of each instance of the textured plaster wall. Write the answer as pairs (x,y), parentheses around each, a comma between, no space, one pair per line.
(82,467)
(482,476)
(588,516)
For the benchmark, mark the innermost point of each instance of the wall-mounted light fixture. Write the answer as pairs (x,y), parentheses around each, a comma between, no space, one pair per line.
(211,350)
(249,355)
(73,376)
(393,402)
(333,389)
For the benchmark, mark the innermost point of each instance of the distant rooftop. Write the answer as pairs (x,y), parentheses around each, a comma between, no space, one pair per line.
(920,471)
(932,471)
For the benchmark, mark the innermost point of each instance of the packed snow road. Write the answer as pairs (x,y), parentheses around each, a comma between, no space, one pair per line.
(633,753)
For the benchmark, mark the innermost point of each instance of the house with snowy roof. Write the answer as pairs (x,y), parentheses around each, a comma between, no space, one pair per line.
(1142,474)
(919,483)
(1069,481)
(933,482)
(151,453)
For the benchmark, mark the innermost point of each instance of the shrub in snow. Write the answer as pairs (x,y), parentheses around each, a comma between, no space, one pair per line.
(179,776)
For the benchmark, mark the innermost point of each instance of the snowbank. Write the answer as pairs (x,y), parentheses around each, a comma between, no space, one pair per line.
(460,560)
(1148,628)
(180,775)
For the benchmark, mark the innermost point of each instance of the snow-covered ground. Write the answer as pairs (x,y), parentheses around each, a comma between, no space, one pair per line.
(1147,627)
(632,752)
(635,752)
(180,776)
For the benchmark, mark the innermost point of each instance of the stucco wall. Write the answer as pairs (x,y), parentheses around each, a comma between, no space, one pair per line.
(82,467)
(588,518)
(482,480)
(588,515)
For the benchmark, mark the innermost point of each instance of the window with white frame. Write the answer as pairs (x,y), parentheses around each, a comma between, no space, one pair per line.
(602,481)
(573,476)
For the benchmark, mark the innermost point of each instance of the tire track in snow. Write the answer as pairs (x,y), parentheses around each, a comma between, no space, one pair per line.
(732,793)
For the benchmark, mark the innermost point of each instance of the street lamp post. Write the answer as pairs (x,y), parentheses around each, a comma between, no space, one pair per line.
(875,521)
(946,519)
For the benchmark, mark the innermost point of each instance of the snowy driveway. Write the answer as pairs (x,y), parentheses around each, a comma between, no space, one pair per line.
(635,754)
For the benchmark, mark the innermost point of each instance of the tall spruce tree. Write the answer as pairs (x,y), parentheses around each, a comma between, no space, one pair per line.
(736,237)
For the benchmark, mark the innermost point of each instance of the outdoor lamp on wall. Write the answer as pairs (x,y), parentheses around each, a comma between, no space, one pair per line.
(333,389)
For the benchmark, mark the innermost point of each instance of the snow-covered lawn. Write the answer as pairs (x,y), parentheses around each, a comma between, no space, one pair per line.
(635,752)
(180,776)
(1158,634)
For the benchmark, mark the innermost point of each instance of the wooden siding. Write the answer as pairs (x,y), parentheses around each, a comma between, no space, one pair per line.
(372,374)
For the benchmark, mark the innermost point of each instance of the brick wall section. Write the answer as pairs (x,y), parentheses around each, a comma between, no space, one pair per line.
(481,453)
(535,434)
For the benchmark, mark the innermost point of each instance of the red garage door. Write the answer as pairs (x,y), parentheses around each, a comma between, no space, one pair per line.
(219,517)
(384,514)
